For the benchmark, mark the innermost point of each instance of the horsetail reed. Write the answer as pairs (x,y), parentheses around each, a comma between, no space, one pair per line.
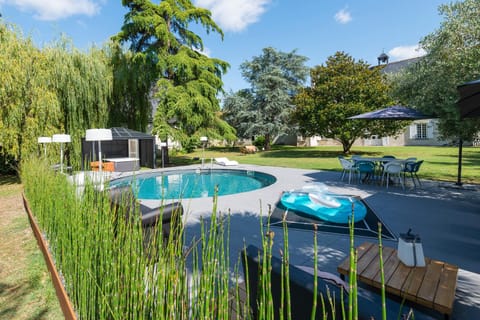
(286,258)
(115,269)
(382,274)
(352,302)
(109,269)
(315,273)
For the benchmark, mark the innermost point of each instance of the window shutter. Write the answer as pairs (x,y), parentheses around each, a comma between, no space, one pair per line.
(413,131)
(430,130)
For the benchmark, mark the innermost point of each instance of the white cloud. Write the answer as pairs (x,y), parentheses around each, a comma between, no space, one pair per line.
(406,52)
(234,15)
(206,51)
(343,16)
(56,9)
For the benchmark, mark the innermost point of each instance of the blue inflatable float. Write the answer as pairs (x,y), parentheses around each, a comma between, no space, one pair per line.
(314,201)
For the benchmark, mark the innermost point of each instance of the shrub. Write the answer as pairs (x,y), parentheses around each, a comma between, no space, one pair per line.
(259,142)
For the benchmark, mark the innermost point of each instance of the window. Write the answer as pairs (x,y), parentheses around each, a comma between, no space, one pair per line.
(421,131)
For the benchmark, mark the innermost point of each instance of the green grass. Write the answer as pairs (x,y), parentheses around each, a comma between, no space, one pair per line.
(9,185)
(441,163)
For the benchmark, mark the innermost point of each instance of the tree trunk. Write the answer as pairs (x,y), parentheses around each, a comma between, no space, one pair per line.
(267,142)
(347,145)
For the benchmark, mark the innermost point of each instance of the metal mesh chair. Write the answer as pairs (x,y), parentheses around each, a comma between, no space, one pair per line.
(347,166)
(393,169)
(412,169)
(367,168)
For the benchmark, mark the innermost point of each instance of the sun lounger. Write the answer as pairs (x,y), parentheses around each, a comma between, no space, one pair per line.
(225,162)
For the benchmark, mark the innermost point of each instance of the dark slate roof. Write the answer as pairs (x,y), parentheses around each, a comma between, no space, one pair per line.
(396,66)
(394,113)
(124,133)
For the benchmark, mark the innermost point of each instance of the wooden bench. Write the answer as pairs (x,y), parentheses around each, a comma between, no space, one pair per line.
(432,286)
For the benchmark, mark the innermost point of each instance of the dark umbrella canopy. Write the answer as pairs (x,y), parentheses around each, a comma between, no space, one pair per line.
(469,103)
(393,113)
(469,107)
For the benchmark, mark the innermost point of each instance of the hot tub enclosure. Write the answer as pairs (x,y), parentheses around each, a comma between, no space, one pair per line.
(125,143)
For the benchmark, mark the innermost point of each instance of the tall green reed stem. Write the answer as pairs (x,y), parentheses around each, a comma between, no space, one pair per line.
(352,298)
(286,276)
(315,273)
(382,274)
(110,269)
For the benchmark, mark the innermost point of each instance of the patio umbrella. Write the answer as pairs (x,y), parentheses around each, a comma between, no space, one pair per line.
(469,107)
(469,102)
(396,112)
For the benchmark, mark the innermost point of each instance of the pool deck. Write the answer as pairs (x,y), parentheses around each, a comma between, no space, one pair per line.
(446,217)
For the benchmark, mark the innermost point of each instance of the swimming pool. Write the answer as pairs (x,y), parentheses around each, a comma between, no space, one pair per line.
(182,184)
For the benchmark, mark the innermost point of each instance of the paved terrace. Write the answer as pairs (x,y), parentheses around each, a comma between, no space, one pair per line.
(447,219)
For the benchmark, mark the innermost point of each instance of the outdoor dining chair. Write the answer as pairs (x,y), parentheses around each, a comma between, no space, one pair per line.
(347,166)
(367,168)
(412,169)
(381,164)
(393,169)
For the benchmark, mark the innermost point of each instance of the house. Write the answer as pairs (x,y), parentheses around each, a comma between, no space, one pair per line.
(420,132)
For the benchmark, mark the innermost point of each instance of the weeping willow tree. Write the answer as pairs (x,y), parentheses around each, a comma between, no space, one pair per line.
(83,84)
(46,91)
(29,107)
(187,81)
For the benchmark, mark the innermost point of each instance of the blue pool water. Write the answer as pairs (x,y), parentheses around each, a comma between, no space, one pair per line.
(325,206)
(195,184)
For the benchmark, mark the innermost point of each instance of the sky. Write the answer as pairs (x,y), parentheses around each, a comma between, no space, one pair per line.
(315,29)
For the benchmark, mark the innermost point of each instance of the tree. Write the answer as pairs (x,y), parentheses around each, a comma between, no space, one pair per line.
(53,90)
(451,59)
(265,108)
(340,89)
(133,76)
(236,111)
(82,83)
(28,106)
(187,81)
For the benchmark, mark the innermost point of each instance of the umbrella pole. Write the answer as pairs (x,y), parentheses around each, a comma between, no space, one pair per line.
(459,175)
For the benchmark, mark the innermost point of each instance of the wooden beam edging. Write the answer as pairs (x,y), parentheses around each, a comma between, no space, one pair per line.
(62,295)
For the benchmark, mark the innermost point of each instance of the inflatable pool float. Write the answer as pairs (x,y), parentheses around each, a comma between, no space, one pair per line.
(323,205)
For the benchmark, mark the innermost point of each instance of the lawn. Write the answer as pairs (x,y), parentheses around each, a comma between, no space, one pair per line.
(440,163)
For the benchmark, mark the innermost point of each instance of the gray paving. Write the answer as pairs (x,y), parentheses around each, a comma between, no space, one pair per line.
(446,217)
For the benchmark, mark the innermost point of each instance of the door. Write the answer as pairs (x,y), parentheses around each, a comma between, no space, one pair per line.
(133,148)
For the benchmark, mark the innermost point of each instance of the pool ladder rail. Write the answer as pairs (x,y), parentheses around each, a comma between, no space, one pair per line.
(203,168)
